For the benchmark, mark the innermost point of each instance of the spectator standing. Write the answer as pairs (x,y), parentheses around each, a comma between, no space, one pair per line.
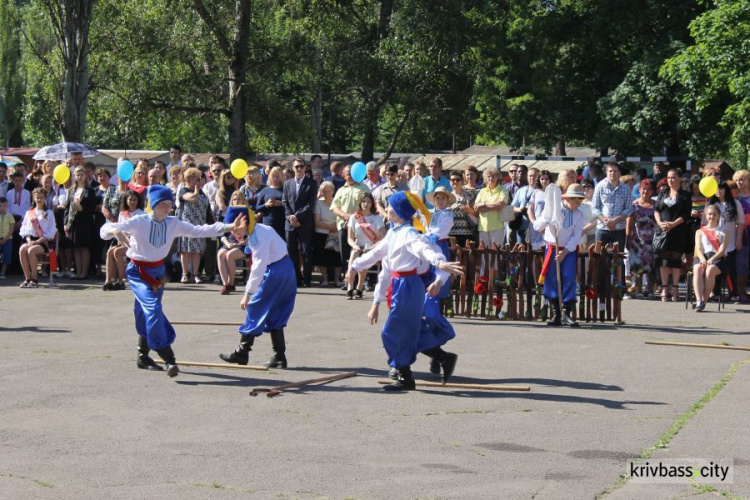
(337,169)
(6,236)
(194,207)
(252,186)
(434,180)
(216,168)
(672,211)
(388,189)
(536,209)
(587,209)
(175,154)
(299,199)
(612,204)
(79,225)
(373,179)
(4,182)
(490,201)
(226,186)
(326,244)
(732,224)
(19,199)
(517,179)
(139,182)
(658,172)
(640,236)
(102,190)
(269,203)
(521,201)
(742,179)
(175,179)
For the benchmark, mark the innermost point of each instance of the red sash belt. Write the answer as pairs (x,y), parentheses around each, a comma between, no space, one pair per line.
(443,240)
(142,266)
(404,273)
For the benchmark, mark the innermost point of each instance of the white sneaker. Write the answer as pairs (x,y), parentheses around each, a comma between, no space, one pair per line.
(198,280)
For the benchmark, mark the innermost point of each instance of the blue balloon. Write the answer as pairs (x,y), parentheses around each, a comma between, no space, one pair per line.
(359,171)
(125,170)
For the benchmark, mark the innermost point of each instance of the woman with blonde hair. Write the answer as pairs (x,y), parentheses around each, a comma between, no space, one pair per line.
(490,201)
(79,225)
(566,178)
(227,186)
(193,209)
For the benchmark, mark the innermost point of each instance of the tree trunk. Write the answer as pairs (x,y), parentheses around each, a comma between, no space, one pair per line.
(237,75)
(560,148)
(316,120)
(369,131)
(70,21)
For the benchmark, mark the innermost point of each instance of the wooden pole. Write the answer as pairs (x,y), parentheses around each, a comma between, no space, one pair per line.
(207,323)
(481,387)
(275,391)
(218,365)
(709,346)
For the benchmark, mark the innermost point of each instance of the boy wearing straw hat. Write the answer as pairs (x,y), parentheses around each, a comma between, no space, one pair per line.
(269,294)
(148,239)
(562,248)
(401,251)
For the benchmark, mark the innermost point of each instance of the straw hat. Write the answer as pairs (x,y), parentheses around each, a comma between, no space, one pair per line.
(430,197)
(575,190)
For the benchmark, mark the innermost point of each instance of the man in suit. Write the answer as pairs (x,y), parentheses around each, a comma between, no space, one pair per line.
(299,198)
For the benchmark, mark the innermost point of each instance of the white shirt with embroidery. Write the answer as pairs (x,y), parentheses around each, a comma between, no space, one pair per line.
(150,240)
(46,221)
(267,247)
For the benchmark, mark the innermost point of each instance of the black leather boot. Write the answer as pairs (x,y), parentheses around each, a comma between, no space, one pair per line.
(555,319)
(144,361)
(278,360)
(242,354)
(404,382)
(448,364)
(567,316)
(167,354)
(434,361)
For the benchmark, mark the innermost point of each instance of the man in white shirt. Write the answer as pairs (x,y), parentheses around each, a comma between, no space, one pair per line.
(216,165)
(19,199)
(373,179)
(175,152)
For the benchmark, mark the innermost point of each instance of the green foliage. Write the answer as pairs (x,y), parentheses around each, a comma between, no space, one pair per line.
(714,76)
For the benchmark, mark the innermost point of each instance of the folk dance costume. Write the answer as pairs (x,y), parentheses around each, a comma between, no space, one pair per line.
(272,286)
(150,242)
(402,250)
(440,226)
(435,330)
(569,234)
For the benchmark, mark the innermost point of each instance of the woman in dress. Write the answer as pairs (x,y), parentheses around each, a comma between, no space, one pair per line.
(79,226)
(464,216)
(640,235)
(364,228)
(37,230)
(672,213)
(269,202)
(710,253)
(326,243)
(193,208)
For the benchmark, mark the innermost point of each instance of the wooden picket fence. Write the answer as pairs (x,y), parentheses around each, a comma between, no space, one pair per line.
(502,283)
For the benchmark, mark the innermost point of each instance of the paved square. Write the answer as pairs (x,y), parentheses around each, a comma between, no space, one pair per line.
(80,421)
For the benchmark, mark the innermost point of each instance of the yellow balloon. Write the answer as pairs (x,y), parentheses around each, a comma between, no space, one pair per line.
(61,173)
(708,186)
(239,168)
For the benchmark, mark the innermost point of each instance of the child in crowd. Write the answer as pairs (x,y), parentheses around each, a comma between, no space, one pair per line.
(365,229)
(565,255)
(232,245)
(38,229)
(130,206)
(6,236)
(269,294)
(148,239)
(19,199)
(441,223)
(401,252)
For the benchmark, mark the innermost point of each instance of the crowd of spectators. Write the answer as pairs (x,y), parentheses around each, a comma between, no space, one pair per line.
(327,218)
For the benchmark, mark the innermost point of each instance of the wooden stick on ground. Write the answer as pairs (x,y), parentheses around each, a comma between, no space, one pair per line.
(481,387)
(275,391)
(710,346)
(208,323)
(218,365)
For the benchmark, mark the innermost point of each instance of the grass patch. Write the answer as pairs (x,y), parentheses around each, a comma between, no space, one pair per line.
(218,486)
(681,421)
(43,484)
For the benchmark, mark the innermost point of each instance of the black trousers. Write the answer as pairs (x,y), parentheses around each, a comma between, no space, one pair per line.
(301,238)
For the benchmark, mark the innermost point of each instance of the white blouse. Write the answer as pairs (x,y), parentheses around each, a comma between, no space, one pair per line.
(46,221)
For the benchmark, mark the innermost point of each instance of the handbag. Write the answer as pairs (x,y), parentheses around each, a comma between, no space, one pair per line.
(332,242)
(507,214)
(660,242)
